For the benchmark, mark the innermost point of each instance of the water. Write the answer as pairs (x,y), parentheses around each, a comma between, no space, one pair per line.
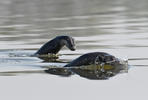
(118,27)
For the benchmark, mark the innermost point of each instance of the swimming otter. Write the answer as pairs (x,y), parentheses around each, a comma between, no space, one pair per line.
(53,46)
(97,65)
(92,58)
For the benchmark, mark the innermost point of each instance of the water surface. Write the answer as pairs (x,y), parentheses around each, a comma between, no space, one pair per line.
(118,27)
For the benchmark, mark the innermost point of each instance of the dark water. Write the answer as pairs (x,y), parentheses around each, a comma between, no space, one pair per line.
(118,27)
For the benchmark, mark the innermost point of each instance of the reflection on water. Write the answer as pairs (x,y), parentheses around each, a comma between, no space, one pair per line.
(115,26)
(91,71)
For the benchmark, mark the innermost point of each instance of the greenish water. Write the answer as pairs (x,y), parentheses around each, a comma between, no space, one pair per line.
(118,27)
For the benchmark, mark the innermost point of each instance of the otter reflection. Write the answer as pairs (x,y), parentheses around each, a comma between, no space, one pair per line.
(96,65)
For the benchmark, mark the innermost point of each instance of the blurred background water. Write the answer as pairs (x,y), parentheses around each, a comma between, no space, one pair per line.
(118,27)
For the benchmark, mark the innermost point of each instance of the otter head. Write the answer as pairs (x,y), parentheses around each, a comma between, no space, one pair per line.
(69,42)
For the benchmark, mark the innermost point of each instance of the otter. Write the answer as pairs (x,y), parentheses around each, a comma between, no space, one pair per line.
(54,46)
(93,58)
(97,65)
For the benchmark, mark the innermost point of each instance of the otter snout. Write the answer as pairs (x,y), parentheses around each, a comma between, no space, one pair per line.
(73,48)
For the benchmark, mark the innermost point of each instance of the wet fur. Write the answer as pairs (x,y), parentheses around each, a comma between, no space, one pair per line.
(91,58)
(55,45)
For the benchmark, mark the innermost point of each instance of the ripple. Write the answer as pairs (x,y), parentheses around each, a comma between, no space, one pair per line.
(16,26)
(13,16)
(76,28)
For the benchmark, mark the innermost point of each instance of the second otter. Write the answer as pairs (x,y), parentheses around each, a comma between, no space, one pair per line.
(55,45)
